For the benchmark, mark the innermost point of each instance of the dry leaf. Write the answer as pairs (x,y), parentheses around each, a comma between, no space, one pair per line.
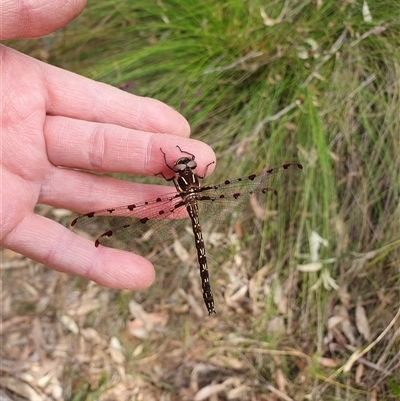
(144,323)
(180,251)
(44,380)
(359,373)
(70,324)
(56,391)
(362,321)
(117,355)
(208,391)
(279,379)
(137,329)
(374,395)
(346,326)
(334,321)
(327,362)
(136,310)
(85,308)
(138,350)
(20,388)
(92,335)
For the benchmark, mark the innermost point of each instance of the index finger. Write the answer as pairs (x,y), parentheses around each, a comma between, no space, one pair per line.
(84,99)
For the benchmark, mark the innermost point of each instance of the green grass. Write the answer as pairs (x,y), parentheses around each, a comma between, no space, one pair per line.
(336,79)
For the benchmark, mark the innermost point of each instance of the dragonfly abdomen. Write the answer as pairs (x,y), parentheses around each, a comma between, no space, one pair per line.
(193,212)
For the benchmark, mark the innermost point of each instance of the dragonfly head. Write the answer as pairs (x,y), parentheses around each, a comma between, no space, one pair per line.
(184,163)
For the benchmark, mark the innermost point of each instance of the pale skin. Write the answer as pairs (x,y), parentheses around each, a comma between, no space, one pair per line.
(53,121)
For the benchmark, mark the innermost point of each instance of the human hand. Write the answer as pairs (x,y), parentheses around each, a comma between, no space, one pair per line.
(53,122)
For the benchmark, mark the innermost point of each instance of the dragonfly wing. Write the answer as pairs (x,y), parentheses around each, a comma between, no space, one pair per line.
(234,195)
(131,226)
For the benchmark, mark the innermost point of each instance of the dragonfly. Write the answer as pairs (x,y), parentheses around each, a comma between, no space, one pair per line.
(154,220)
